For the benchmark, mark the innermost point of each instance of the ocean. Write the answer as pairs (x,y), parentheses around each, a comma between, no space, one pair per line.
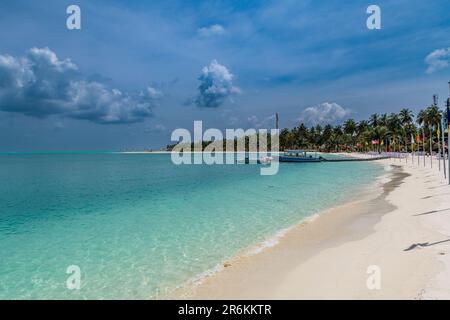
(138,226)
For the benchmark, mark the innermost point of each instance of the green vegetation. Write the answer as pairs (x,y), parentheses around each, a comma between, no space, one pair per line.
(381,132)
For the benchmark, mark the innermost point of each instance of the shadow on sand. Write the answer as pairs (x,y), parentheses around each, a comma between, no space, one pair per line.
(425,244)
(430,212)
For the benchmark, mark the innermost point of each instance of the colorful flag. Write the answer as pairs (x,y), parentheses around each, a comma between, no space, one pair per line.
(418,138)
(448,114)
(448,119)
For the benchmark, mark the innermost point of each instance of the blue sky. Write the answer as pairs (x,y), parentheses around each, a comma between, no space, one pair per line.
(139,69)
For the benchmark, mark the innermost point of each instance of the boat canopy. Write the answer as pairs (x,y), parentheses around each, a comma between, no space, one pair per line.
(300,153)
(297,152)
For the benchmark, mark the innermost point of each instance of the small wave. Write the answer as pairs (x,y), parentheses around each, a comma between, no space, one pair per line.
(189,286)
(275,239)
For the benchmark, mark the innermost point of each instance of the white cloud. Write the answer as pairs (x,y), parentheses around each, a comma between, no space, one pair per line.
(324,113)
(212,30)
(438,59)
(216,86)
(40,84)
(265,123)
(153,93)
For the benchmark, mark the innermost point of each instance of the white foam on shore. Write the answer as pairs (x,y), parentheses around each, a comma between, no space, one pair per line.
(275,239)
(385,178)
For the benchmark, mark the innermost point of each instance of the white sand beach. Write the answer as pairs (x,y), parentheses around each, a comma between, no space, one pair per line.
(402,227)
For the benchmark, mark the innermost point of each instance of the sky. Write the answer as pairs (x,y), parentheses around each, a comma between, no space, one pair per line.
(137,70)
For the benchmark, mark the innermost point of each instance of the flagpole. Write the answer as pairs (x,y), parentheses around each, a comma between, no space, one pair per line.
(423,146)
(448,133)
(406,148)
(443,144)
(418,149)
(431,150)
(439,149)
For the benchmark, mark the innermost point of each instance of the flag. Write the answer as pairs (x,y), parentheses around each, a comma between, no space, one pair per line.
(439,131)
(418,138)
(382,142)
(448,114)
(424,138)
(448,119)
(412,139)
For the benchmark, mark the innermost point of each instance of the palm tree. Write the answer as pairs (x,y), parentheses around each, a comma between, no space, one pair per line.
(434,116)
(406,116)
(326,136)
(421,118)
(394,126)
(284,138)
(337,137)
(350,129)
(350,126)
(363,125)
(373,120)
(383,119)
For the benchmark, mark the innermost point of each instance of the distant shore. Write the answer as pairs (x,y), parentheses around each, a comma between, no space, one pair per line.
(400,226)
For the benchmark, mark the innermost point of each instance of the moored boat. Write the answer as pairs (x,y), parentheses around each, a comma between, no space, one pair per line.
(299,156)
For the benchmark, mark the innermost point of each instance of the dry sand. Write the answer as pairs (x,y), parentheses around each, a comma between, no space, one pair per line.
(402,228)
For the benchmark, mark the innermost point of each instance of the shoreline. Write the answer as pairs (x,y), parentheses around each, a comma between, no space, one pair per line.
(328,258)
(368,192)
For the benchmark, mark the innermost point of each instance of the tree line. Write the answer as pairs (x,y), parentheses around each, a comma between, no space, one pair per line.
(402,131)
(381,132)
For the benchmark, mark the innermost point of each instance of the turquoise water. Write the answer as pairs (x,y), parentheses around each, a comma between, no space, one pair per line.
(138,226)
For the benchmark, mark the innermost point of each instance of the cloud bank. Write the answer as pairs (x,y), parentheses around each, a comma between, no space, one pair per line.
(324,113)
(40,84)
(437,60)
(216,86)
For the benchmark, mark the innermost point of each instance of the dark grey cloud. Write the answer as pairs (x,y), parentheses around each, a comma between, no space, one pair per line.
(216,86)
(40,84)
